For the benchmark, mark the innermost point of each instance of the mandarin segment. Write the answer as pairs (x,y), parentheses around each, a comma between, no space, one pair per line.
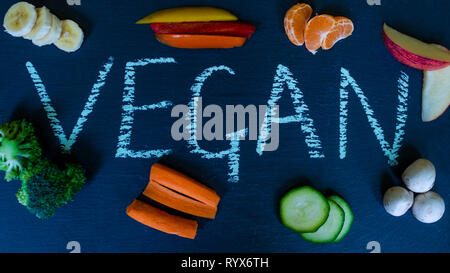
(295,22)
(316,31)
(343,29)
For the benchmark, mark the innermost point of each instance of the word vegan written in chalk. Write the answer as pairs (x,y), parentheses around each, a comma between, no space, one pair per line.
(284,84)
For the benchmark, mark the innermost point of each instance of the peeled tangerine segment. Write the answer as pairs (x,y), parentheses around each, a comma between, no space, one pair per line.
(316,31)
(341,30)
(188,14)
(200,41)
(416,46)
(20,19)
(295,23)
(42,26)
(435,93)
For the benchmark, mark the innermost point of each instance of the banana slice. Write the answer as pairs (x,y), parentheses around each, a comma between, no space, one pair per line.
(20,19)
(53,35)
(42,26)
(71,37)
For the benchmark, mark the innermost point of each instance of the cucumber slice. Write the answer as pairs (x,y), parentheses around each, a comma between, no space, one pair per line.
(304,209)
(348,216)
(329,231)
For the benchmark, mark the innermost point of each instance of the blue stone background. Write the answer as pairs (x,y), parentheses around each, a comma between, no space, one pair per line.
(247,219)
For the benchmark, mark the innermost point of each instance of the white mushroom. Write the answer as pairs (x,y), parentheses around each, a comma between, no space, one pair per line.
(398,200)
(428,207)
(420,176)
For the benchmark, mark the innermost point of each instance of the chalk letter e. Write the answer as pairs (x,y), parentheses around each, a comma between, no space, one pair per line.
(128,109)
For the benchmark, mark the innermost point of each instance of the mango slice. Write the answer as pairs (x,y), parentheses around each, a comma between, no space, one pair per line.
(188,14)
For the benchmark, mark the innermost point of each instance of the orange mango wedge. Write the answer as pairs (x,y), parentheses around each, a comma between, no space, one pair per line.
(188,14)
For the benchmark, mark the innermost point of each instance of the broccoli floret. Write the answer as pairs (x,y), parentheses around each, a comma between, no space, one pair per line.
(45,186)
(50,188)
(19,150)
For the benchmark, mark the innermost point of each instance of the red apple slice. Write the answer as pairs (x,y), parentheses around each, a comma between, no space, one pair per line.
(435,93)
(413,52)
(239,29)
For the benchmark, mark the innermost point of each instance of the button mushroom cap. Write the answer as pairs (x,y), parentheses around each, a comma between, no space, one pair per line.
(428,207)
(419,177)
(398,200)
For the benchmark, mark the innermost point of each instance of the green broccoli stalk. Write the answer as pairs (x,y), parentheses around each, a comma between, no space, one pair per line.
(19,150)
(50,188)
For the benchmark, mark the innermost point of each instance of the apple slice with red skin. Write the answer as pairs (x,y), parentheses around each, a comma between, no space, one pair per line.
(413,52)
(232,28)
(435,93)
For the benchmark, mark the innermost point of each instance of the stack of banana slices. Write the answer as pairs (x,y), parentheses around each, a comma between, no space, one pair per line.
(42,27)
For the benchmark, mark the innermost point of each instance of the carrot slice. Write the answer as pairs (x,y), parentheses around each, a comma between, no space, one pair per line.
(183,184)
(179,202)
(200,41)
(161,220)
(316,31)
(229,28)
(343,28)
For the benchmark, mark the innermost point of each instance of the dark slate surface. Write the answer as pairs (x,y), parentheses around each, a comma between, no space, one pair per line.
(247,220)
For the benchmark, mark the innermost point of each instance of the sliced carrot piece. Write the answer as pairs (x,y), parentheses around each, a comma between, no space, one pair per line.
(174,200)
(230,28)
(192,41)
(316,31)
(161,220)
(342,29)
(183,184)
(295,22)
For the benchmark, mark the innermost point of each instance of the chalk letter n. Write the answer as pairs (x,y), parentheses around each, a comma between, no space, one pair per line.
(402,95)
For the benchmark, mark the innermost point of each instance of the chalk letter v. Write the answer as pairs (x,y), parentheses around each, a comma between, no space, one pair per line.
(66,144)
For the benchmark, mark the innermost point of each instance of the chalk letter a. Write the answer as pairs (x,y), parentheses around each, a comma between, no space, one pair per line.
(283,76)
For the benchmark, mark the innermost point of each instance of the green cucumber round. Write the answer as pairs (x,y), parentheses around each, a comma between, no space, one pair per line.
(304,209)
(330,230)
(348,216)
